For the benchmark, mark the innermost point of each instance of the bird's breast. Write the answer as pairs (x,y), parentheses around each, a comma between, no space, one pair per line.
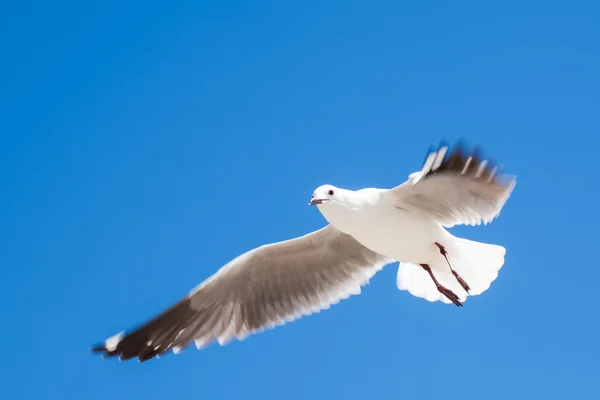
(392,232)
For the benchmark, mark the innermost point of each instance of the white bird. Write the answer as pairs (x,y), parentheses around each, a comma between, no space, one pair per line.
(368,229)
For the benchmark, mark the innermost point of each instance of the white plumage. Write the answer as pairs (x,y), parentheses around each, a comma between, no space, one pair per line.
(368,229)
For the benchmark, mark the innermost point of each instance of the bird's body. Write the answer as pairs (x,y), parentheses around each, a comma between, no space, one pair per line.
(375,220)
(368,229)
(376,223)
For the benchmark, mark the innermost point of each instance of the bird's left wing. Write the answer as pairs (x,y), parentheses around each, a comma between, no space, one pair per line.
(455,186)
(260,289)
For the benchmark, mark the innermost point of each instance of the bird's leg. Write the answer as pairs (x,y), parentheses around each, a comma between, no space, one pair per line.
(458,278)
(443,290)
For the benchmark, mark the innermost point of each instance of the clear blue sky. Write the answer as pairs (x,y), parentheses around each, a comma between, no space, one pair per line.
(144,145)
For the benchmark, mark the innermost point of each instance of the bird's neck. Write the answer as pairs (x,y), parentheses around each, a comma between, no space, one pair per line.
(343,215)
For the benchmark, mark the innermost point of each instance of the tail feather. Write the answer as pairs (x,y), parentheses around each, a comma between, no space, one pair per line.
(477,263)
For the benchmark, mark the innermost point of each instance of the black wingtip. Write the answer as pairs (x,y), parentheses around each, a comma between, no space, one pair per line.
(98,348)
(461,144)
(153,338)
(103,351)
(464,159)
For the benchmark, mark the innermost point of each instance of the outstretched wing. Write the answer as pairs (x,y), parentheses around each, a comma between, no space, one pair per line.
(455,187)
(262,288)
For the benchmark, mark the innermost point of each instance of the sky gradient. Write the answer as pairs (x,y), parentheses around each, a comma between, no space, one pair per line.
(145,144)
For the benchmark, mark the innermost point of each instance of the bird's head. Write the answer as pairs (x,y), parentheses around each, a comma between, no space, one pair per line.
(325,194)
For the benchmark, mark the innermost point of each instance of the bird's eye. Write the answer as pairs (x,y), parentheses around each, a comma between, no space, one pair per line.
(330,192)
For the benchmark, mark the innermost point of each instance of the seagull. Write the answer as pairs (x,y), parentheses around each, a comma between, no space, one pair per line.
(367,229)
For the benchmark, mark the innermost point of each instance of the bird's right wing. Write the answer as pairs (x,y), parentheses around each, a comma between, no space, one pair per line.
(454,187)
(260,289)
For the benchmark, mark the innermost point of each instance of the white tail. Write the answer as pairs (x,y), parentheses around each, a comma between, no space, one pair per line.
(477,263)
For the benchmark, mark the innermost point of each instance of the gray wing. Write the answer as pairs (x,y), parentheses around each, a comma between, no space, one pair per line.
(455,187)
(262,288)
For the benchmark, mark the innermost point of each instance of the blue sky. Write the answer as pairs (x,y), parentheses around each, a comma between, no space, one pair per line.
(144,145)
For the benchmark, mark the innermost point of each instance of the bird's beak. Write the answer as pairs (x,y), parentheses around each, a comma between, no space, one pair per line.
(315,201)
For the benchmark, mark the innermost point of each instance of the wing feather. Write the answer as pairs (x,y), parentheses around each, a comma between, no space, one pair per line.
(455,187)
(260,289)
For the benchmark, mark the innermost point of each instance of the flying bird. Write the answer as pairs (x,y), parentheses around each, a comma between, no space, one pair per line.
(367,229)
